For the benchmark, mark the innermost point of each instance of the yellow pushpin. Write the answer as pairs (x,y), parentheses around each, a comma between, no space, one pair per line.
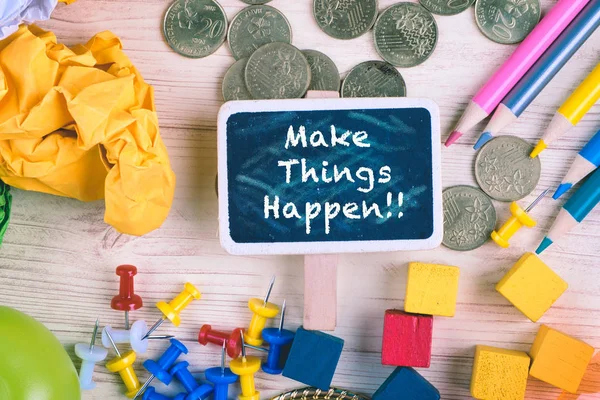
(124,366)
(262,310)
(172,309)
(519,219)
(245,368)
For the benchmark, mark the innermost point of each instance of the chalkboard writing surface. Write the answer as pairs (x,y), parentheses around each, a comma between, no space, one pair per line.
(329,176)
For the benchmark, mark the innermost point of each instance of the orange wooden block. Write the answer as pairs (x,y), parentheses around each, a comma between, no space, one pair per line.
(590,384)
(559,359)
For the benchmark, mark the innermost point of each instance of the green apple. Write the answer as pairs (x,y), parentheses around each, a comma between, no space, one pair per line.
(33,363)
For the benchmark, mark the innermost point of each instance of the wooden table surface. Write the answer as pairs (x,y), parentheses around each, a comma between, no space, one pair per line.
(58,259)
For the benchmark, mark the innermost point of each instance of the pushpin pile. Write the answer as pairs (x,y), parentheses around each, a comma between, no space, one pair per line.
(137,336)
(310,357)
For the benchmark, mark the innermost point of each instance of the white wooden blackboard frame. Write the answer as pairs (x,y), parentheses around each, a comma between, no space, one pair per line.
(328,247)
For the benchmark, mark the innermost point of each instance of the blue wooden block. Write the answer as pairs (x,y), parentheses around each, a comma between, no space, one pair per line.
(406,384)
(313,358)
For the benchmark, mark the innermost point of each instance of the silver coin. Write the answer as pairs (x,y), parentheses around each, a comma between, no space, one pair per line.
(195,28)
(256,2)
(446,7)
(507,21)
(323,71)
(277,71)
(504,170)
(345,19)
(469,218)
(256,26)
(374,79)
(234,82)
(405,34)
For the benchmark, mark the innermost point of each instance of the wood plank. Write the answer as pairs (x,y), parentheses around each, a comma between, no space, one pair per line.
(58,259)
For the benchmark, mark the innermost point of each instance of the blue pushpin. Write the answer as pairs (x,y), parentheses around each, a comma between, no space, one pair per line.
(151,394)
(195,390)
(221,378)
(159,368)
(278,339)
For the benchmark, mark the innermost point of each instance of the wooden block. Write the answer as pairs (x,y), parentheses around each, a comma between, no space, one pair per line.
(590,382)
(320,292)
(531,286)
(313,358)
(407,384)
(559,359)
(499,374)
(406,339)
(431,289)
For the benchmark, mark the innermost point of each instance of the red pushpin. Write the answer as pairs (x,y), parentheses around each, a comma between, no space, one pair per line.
(232,341)
(126,300)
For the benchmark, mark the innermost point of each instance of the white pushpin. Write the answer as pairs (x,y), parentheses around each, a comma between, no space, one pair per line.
(89,355)
(132,336)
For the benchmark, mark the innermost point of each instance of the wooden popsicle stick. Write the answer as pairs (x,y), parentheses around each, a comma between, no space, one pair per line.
(320,292)
(320,273)
(322,94)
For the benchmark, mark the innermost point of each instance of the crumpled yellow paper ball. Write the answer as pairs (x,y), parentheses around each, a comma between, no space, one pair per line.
(80,122)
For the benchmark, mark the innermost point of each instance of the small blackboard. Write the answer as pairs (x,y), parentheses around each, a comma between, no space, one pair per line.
(329,176)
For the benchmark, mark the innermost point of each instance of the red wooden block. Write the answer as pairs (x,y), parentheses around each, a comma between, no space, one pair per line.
(406,339)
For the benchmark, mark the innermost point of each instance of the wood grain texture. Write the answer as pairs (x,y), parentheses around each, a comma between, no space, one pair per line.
(320,288)
(313,358)
(499,374)
(406,383)
(58,259)
(531,286)
(559,359)
(431,289)
(406,339)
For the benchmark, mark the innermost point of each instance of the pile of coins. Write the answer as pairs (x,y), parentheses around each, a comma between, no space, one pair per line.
(268,67)
(503,21)
(504,172)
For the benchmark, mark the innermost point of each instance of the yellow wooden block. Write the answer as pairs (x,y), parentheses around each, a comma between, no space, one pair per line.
(499,374)
(531,286)
(559,359)
(431,289)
